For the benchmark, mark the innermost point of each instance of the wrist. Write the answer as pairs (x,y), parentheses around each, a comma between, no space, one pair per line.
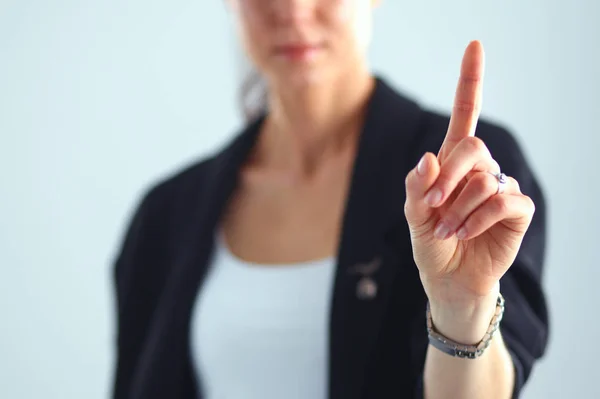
(465,321)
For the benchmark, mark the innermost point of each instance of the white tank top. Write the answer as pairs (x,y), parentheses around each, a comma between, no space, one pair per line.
(261,332)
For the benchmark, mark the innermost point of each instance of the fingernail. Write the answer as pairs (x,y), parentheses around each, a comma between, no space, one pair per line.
(461,233)
(433,197)
(422,166)
(441,230)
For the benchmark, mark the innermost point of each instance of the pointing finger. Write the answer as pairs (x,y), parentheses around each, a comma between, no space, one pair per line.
(467,100)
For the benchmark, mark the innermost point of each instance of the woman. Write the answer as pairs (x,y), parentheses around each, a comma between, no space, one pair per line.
(347,244)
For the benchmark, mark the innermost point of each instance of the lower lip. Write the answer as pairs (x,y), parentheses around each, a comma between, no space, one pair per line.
(298,53)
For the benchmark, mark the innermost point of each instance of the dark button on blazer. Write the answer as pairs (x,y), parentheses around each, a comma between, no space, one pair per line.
(377,343)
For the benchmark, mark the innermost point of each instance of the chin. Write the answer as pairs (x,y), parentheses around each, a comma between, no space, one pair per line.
(302,77)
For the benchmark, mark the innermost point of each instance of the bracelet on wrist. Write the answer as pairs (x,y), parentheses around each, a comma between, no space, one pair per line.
(452,348)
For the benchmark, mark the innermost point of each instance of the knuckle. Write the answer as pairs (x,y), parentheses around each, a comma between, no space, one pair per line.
(408,179)
(411,183)
(515,183)
(444,180)
(475,144)
(530,204)
(500,204)
(465,106)
(495,164)
(453,218)
(476,220)
(484,183)
(469,80)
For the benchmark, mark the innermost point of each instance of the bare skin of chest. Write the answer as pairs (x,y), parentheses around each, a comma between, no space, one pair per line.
(273,219)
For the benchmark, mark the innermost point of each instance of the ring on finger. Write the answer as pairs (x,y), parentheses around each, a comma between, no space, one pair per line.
(502,181)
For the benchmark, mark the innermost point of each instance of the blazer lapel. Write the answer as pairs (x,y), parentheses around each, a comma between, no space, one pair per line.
(368,262)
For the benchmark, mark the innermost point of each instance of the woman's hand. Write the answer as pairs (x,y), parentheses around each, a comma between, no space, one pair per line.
(465,234)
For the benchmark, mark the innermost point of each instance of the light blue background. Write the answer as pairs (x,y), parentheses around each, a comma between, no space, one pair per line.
(100,98)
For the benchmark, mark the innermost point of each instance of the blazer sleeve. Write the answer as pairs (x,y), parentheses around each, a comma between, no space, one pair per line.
(525,324)
(524,327)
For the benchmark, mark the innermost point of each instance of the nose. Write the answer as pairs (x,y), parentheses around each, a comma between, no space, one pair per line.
(292,11)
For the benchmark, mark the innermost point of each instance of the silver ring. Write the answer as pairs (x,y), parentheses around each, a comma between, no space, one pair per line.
(502,181)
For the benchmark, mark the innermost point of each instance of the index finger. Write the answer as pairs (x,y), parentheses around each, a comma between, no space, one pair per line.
(468,97)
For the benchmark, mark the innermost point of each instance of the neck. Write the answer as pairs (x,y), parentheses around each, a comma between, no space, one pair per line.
(308,124)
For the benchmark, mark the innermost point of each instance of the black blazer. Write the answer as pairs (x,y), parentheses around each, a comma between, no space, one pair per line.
(377,346)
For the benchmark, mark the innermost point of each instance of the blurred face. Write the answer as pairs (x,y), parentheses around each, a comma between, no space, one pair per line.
(298,42)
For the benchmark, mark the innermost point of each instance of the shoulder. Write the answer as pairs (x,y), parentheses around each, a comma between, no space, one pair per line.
(502,142)
(169,191)
(164,205)
(408,123)
(410,129)
(156,230)
(145,237)
(184,188)
(498,138)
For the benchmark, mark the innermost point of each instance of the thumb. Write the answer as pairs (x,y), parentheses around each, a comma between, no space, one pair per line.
(418,181)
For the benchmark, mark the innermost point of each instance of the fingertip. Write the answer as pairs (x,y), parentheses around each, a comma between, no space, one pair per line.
(475,55)
(426,164)
(433,165)
(476,43)
(418,181)
(422,177)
